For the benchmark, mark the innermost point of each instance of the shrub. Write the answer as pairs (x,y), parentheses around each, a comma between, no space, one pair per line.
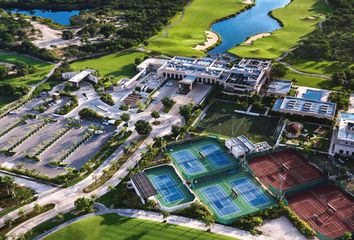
(90,114)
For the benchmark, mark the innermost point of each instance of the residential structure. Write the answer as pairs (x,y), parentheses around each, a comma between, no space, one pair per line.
(344,135)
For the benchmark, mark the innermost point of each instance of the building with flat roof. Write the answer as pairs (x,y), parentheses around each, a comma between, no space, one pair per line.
(279,88)
(76,77)
(305,107)
(344,135)
(244,78)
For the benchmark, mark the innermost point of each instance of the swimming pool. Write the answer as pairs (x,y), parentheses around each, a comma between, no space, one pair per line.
(313,95)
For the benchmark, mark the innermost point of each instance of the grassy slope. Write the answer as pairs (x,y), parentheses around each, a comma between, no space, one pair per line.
(112,226)
(43,68)
(309,81)
(296,25)
(186,31)
(118,65)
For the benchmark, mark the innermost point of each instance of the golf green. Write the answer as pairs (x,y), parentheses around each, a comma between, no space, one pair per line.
(115,227)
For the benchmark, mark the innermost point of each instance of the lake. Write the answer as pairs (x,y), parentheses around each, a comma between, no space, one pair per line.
(236,30)
(60,17)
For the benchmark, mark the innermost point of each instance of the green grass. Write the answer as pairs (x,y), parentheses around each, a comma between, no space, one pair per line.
(318,67)
(39,75)
(255,128)
(117,65)
(296,25)
(115,227)
(309,81)
(186,31)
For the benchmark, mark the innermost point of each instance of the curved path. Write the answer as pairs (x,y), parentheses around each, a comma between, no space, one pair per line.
(154,216)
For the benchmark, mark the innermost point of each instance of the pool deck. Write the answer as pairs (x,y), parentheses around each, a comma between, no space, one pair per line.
(301,91)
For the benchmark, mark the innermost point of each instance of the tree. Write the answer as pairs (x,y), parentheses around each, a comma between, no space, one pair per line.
(23,195)
(125,117)
(137,61)
(156,115)
(186,111)
(4,71)
(84,204)
(347,236)
(278,71)
(143,127)
(176,130)
(168,102)
(8,183)
(67,34)
(37,208)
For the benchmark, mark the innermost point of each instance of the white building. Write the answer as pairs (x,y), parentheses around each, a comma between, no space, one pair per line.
(240,146)
(344,135)
(244,78)
(75,78)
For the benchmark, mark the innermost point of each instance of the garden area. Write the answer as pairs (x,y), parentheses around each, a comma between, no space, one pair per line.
(307,135)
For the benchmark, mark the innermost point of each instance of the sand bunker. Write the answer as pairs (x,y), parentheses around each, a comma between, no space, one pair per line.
(247,1)
(255,37)
(212,38)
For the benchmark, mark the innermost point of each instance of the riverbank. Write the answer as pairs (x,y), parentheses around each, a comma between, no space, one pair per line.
(211,39)
(188,32)
(297,21)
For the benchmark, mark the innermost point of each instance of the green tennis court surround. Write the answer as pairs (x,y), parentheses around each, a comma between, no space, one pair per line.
(200,158)
(171,191)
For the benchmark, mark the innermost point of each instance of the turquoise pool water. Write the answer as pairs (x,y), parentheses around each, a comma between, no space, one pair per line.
(255,20)
(313,95)
(60,17)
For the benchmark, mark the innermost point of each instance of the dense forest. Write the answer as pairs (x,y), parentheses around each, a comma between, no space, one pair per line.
(334,41)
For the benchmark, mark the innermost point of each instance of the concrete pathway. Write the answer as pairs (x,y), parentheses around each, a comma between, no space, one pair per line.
(155,216)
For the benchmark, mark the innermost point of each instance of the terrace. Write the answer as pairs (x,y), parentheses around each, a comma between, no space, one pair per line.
(279,88)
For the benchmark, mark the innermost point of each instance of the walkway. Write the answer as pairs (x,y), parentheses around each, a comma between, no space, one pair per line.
(155,216)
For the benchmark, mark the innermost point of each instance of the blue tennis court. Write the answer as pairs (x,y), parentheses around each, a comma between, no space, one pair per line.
(189,163)
(168,188)
(313,95)
(217,157)
(220,201)
(250,192)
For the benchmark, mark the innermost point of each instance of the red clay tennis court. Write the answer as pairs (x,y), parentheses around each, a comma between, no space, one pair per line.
(326,209)
(284,170)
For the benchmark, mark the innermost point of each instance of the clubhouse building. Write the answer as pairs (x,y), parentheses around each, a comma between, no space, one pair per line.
(243,78)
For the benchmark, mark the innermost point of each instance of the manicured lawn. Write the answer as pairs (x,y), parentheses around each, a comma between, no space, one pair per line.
(321,67)
(186,31)
(117,65)
(219,119)
(299,18)
(43,68)
(115,227)
(309,81)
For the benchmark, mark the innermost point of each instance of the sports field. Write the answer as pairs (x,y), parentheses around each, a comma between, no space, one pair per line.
(116,65)
(171,190)
(200,158)
(218,120)
(326,209)
(42,68)
(115,227)
(285,170)
(299,18)
(187,29)
(218,192)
